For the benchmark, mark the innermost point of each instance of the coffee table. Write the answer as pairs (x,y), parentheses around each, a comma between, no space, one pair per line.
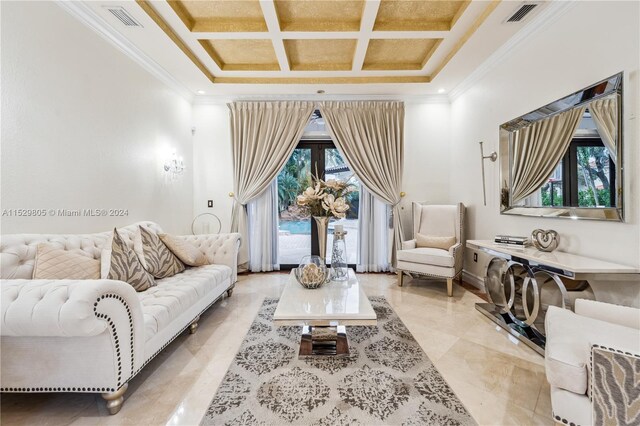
(324,313)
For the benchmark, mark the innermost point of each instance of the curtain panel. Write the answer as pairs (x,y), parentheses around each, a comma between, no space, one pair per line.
(370,136)
(263,136)
(605,114)
(538,148)
(262,213)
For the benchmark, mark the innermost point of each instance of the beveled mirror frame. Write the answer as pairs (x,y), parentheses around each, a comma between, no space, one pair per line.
(507,131)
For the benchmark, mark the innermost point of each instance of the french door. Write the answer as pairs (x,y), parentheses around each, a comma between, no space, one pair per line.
(297,234)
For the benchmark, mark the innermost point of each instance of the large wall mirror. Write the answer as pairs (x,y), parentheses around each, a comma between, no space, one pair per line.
(565,159)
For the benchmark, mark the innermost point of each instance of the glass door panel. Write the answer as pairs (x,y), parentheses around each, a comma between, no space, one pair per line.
(336,168)
(294,226)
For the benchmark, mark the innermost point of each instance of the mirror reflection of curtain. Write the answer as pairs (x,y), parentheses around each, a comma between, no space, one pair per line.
(604,112)
(370,136)
(262,237)
(263,136)
(537,149)
(373,232)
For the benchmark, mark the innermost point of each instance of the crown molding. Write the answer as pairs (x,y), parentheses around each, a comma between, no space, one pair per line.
(86,15)
(546,17)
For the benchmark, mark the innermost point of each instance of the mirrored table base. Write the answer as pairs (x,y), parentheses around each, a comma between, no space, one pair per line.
(319,341)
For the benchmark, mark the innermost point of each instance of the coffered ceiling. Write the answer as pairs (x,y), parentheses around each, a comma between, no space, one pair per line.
(346,43)
(283,40)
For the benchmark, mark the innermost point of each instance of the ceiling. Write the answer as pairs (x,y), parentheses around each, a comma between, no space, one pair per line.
(301,46)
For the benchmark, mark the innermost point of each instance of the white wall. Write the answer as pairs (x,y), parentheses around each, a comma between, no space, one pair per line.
(83,126)
(213,167)
(591,41)
(426,174)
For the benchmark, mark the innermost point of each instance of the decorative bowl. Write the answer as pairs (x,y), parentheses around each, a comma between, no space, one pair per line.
(312,272)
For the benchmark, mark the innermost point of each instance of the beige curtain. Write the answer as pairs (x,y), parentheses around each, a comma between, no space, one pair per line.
(370,135)
(538,148)
(263,136)
(605,114)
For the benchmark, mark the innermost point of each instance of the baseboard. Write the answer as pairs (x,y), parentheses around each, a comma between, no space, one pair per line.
(474,280)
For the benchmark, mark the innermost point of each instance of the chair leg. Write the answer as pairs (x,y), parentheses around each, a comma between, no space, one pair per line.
(400,277)
(460,278)
(449,287)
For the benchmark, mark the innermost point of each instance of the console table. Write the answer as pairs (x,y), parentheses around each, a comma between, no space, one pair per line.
(515,277)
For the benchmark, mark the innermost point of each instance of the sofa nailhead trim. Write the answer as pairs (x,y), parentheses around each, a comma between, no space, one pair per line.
(114,334)
(564,421)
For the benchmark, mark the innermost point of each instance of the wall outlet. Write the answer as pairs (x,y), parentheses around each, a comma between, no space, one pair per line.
(475,257)
(209,203)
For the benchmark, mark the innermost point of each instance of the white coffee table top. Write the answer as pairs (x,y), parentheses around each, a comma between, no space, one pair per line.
(335,303)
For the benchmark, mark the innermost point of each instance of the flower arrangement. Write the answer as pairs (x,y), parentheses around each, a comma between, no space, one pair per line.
(326,198)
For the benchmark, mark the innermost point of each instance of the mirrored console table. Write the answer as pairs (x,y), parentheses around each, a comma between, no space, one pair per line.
(521,283)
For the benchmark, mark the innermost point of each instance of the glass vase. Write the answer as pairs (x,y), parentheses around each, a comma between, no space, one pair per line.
(339,265)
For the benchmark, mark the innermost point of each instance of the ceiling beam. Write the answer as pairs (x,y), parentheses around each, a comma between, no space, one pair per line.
(273,25)
(366,29)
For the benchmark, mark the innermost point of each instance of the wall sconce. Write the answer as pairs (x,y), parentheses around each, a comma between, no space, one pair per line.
(492,157)
(174,165)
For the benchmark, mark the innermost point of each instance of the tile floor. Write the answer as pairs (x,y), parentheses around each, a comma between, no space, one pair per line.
(500,381)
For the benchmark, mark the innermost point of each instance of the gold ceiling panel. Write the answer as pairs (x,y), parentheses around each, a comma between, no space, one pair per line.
(319,15)
(399,54)
(220,15)
(242,55)
(320,55)
(418,15)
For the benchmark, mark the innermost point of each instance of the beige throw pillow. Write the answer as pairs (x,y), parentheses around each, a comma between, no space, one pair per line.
(186,252)
(161,263)
(125,266)
(444,243)
(55,263)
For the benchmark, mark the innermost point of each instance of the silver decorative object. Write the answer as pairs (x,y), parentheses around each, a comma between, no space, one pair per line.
(545,240)
(322,223)
(339,266)
(312,272)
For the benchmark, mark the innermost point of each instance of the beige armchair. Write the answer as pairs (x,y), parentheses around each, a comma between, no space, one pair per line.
(434,221)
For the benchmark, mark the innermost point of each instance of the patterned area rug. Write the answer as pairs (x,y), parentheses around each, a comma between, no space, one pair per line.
(387,379)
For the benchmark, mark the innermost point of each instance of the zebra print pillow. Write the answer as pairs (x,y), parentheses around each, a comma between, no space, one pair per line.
(161,263)
(125,265)
(615,386)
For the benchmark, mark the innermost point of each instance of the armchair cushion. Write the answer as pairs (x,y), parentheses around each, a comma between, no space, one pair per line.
(427,255)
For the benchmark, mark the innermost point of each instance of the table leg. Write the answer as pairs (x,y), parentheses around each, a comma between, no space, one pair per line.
(306,342)
(342,344)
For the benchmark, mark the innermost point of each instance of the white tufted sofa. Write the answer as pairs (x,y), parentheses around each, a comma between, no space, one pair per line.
(95,335)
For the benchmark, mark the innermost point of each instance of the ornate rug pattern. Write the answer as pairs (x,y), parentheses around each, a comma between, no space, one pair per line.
(387,379)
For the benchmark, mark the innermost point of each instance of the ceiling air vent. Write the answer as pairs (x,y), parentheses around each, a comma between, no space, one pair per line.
(123,16)
(522,12)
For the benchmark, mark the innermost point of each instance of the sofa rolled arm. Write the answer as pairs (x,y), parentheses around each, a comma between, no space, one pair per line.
(76,308)
(62,308)
(408,245)
(220,249)
(608,312)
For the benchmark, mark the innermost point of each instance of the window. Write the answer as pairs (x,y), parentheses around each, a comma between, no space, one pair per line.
(585,177)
